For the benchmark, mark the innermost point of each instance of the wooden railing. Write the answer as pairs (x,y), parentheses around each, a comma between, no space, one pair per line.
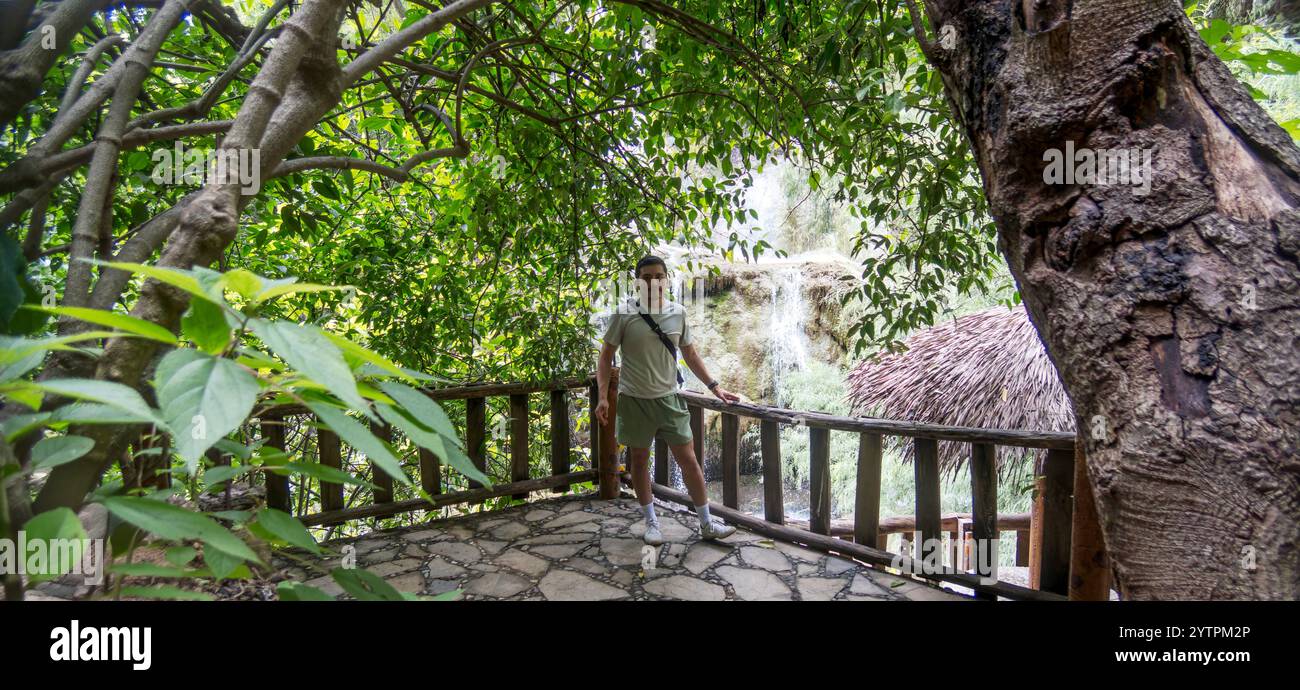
(1050,536)
(333,508)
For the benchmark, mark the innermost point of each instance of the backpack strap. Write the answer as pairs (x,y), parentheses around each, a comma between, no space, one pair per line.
(663,338)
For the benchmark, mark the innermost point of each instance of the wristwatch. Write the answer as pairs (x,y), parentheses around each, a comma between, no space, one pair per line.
(712,385)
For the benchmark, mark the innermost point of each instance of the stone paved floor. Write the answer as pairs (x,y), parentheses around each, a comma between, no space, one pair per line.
(577,547)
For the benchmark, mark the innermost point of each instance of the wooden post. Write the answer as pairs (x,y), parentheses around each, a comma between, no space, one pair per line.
(663,474)
(1023,547)
(559,436)
(984,506)
(430,472)
(519,440)
(730,460)
(1058,508)
(383,482)
(773,487)
(1036,533)
(929,522)
(697,433)
(1089,566)
(476,435)
(819,480)
(593,431)
(331,455)
(277,485)
(609,482)
(866,503)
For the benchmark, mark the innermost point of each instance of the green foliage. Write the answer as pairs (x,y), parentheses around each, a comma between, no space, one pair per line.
(205,389)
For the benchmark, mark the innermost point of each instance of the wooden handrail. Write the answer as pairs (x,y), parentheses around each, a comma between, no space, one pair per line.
(1003,437)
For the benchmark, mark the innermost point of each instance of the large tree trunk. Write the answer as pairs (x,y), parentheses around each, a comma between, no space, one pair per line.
(1173,316)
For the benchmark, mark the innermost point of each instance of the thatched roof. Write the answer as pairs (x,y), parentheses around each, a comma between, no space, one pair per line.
(987,369)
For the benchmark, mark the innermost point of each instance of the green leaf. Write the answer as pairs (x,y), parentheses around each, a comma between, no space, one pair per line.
(297,591)
(287,528)
(16,368)
(291,288)
(350,348)
(59,450)
(203,399)
(115,395)
(122,322)
(155,570)
(441,446)
(180,555)
(365,585)
(225,566)
(246,283)
(311,354)
(205,324)
(360,438)
(165,592)
(421,407)
(52,527)
(176,523)
(320,472)
(184,280)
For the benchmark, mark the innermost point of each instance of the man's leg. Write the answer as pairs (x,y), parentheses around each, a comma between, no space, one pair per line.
(693,478)
(640,459)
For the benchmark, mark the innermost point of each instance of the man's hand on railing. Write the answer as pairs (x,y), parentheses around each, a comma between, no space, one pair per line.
(725,395)
(602,412)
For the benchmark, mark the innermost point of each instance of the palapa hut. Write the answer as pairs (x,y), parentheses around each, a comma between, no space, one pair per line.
(987,369)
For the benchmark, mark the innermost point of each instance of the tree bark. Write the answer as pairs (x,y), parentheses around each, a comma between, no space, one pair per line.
(1171,315)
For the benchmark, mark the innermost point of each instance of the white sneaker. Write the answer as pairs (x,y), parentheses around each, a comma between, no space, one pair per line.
(714,530)
(653,536)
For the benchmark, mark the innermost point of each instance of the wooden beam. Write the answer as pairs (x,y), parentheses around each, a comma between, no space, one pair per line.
(560,436)
(456,497)
(476,436)
(331,455)
(866,504)
(865,554)
(773,483)
(277,485)
(1058,509)
(609,484)
(593,431)
(819,480)
(519,461)
(984,506)
(925,460)
(730,460)
(1089,565)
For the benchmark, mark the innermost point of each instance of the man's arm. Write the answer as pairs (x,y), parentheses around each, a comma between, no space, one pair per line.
(696,364)
(604,366)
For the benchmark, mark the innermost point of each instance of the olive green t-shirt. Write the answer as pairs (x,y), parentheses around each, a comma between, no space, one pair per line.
(648,368)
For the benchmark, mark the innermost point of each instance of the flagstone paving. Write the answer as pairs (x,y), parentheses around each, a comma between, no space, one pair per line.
(581,548)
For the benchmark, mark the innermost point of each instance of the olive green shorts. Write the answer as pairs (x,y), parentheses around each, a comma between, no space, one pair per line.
(639,420)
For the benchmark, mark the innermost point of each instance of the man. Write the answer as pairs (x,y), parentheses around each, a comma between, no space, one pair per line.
(648,402)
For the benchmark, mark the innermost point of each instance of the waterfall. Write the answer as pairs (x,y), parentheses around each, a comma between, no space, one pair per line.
(787,343)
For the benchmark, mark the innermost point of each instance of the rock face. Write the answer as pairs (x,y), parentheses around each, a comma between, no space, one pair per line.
(548,560)
(734,326)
